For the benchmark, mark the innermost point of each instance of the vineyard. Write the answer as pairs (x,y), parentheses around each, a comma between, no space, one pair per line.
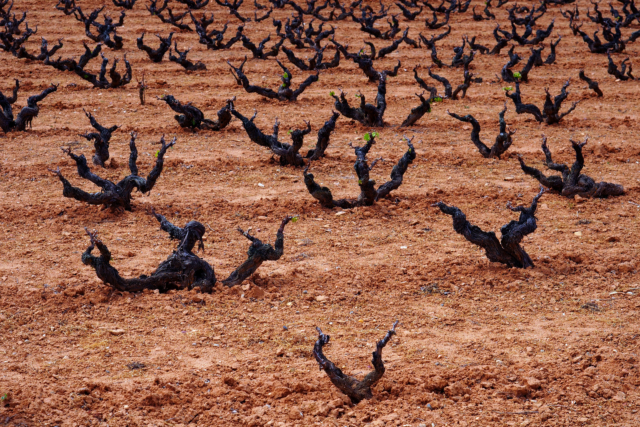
(290,213)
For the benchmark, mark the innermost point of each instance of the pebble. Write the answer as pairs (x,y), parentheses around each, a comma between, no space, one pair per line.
(579,199)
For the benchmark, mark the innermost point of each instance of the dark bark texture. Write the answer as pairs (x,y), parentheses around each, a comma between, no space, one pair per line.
(429,43)
(501,41)
(356,390)
(106,32)
(214,39)
(614,39)
(367,114)
(550,113)
(183,61)
(284,92)
(114,195)
(449,92)
(127,4)
(419,111)
(288,154)
(100,80)
(551,59)
(323,138)
(100,140)
(507,250)
(368,193)
(175,20)
(365,63)
(13,37)
(259,52)
(315,63)
(163,280)
(26,115)
(257,254)
(45,52)
(571,182)
(182,269)
(190,117)
(156,55)
(623,73)
(408,14)
(593,85)
(195,4)
(477,47)
(434,24)
(503,140)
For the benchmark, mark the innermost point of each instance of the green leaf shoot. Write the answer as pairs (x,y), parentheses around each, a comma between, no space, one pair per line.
(367,136)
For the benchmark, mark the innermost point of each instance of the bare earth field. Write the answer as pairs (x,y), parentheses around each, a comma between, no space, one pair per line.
(478,344)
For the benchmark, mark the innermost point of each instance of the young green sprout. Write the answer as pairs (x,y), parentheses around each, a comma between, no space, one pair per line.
(405,139)
(285,75)
(332,93)
(437,99)
(508,88)
(295,219)
(367,136)
(517,75)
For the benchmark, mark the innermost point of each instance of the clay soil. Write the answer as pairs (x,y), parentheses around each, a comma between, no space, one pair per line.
(478,344)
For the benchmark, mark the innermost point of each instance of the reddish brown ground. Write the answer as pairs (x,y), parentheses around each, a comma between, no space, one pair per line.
(478,344)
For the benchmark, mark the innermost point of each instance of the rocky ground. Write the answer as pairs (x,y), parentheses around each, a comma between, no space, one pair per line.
(478,344)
